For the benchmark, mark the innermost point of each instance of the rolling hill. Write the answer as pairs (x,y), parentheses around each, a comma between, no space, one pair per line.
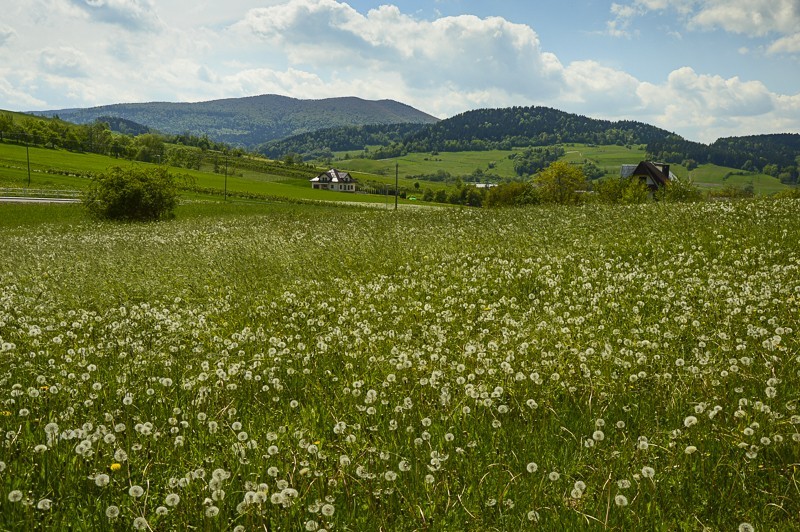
(250,121)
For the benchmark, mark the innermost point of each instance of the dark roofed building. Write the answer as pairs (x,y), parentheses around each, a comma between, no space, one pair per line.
(654,175)
(334,179)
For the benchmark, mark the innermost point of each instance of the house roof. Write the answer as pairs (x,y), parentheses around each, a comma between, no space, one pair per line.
(333,176)
(659,173)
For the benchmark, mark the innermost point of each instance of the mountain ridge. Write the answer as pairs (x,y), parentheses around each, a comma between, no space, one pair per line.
(251,120)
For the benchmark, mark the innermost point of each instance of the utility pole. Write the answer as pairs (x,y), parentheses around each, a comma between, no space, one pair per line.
(28,156)
(396,172)
(226,177)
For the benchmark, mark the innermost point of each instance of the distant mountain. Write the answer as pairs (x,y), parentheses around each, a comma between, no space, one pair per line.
(253,120)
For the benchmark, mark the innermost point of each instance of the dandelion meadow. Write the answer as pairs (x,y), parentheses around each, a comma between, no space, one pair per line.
(626,368)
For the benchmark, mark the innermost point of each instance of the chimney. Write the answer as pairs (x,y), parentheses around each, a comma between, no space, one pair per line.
(665,170)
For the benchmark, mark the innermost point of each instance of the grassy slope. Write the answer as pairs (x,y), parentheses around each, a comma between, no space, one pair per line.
(13,174)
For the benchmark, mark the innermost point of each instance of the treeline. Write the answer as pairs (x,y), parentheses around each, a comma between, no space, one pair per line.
(322,143)
(515,127)
(181,150)
(777,155)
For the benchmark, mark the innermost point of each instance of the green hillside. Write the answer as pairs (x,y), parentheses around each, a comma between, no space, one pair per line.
(250,121)
(55,169)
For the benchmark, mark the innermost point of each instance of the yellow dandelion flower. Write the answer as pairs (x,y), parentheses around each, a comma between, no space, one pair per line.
(115,466)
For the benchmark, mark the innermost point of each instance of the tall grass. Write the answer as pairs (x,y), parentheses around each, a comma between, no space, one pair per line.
(562,368)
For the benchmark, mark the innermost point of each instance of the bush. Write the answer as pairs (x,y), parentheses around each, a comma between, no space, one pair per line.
(511,194)
(617,190)
(132,194)
(561,183)
(679,192)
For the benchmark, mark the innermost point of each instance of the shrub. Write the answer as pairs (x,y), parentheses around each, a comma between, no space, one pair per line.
(132,194)
(621,191)
(560,183)
(509,194)
(679,191)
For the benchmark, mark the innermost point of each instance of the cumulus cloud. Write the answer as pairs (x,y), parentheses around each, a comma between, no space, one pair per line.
(326,48)
(753,18)
(786,45)
(472,53)
(704,107)
(136,15)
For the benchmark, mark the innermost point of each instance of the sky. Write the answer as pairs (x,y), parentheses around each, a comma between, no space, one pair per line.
(703,69)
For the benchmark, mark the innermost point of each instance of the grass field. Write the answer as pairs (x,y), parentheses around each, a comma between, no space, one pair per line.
(608,158)
(62,169)
(257,367)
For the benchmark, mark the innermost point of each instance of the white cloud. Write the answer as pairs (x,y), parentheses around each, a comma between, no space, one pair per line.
(64,61)
(6,34)
(753,18)
(704,107)
(472,53)
(786,45)
(749,17)
(70,56)
(138,15)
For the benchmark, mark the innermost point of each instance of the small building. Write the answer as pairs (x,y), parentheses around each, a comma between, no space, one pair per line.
(654,175)
(334,179)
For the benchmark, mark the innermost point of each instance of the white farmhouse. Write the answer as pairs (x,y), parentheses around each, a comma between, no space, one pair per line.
(334,179)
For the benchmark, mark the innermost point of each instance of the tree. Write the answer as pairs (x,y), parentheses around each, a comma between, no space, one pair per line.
(132,194)
(621,190)
(561,183)
(149,148)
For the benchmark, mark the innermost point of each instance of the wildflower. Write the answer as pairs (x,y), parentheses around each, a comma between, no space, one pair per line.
(621,500)
(689,421)
(327,510)
(172,499)
(115,466)
(554,476)
(135,491)
(44,504)
(648,472)
(140,523)
(598,435)
(532,467)
(690,449)
(746,527)
(15,496)
(212,511)
(112,512)
(533,516)
(102,480)
(162,510)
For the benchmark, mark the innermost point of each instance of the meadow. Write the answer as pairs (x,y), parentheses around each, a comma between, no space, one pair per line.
(284,367)
(609,158)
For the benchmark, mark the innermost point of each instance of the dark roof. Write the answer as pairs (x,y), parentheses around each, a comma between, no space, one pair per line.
(648,169)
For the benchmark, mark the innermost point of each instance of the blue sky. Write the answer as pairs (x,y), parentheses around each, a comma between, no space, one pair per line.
(702,68)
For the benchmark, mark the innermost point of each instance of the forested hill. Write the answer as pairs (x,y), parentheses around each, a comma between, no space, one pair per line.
(250,121)
(526,126)
(321,144)
(486,129)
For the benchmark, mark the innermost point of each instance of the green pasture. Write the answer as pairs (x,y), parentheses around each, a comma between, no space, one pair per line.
(62,169)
